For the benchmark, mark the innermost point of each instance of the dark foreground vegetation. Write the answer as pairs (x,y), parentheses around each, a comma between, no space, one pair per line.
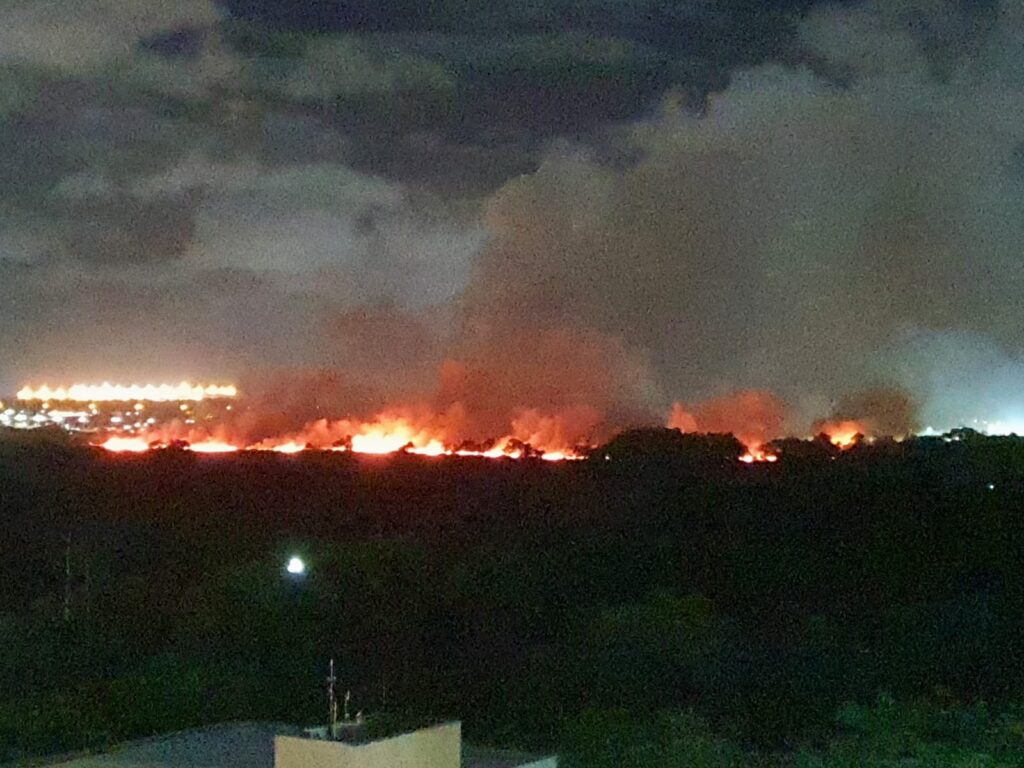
(657,605)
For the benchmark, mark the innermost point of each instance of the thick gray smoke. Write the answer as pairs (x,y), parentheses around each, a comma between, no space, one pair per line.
(810,218)
(846,218)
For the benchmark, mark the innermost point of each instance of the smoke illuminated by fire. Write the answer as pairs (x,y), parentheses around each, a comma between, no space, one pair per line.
(106,393)
(870,414)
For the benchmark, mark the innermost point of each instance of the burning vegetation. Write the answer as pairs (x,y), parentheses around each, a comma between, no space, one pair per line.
(149,417)
(869,414)
(755,417)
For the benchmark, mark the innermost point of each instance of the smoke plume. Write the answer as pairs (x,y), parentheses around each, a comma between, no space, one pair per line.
(792,234)
(874,413)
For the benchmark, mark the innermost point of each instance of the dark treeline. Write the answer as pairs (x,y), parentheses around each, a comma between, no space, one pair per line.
(657,604)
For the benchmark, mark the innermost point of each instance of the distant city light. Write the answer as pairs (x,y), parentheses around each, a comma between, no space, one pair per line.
(134,392)
(295,566)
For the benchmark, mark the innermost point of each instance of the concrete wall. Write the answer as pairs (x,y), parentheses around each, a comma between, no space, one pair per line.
(437,747)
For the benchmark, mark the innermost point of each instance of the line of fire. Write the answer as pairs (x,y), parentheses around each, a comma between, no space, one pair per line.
(202,418)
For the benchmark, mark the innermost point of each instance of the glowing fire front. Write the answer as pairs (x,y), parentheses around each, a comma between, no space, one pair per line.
(420,432)
(385,435)
(142,444)
(393,435)
(107,393)
(754,417)
(406,432)
(384,448)
(416,431)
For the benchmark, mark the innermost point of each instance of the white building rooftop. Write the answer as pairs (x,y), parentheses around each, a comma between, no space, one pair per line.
(248,745)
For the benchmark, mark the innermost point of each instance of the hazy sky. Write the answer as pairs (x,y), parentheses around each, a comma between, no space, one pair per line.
(604,204)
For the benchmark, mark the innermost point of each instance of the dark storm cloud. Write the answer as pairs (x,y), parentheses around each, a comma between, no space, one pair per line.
(461,112)
(466,95)
(68,165)
(89,36)
(671,23)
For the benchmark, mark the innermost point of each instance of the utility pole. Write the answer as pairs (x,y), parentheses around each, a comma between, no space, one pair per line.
(87,608)
(332,701)
(67,578)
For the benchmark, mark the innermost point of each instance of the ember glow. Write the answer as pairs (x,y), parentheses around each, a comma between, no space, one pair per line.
(107,393)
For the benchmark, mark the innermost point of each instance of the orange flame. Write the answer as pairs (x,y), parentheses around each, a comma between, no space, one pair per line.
(289,447)
(390,436)
(384,435)
(212,446)
(421,434)
(125,445)
(142,444)
(756,454)
(844,434)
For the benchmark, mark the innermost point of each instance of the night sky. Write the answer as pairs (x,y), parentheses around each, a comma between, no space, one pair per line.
(603,204)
